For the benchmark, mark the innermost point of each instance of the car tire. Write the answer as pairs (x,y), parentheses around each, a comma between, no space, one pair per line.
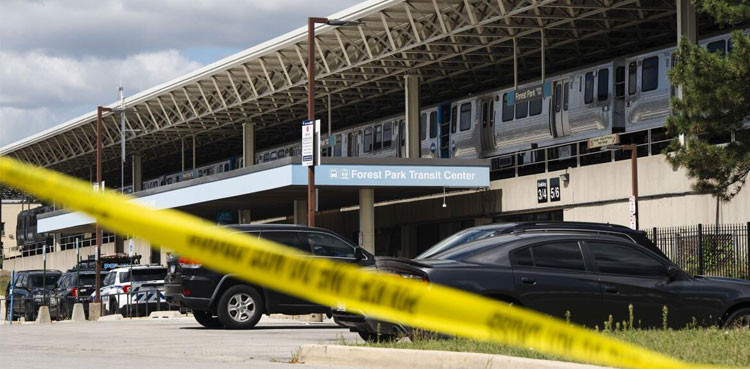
(240,307)
(738,319)
(207,320)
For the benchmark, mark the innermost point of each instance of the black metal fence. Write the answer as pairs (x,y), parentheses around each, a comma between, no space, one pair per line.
(703,249)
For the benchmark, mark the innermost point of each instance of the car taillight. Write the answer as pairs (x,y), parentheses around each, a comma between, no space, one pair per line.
(75,292)
(187,261)
(186,292)
(126,288)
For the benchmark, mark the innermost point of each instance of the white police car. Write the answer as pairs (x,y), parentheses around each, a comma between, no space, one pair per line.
(135,290)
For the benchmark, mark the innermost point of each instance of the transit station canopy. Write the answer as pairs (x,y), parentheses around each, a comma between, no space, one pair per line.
(456,47)
(268,189)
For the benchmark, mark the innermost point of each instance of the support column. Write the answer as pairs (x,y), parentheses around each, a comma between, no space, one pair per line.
(687,23)
(367,219)
(409,241)
(412,116)
(248,144)
(137,173)
(244,216)
(300,212)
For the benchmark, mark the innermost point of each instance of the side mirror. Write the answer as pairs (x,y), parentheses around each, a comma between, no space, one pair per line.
(672,272)
(358,253)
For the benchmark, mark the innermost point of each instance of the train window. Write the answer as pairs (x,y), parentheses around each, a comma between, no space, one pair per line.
(433,124)
(368,139)
(588,94)
(507,109)
(485,113)
(281,153)
(454,119)
(522,110)
(719,45)
(650,74)
(387,135)
(557,97)
(378,137)
(465,116)
(350,145)
(423,126)
(266,157)
(337,146)
(273,155)
(602,89)
(632,77)
(620,82)
(565,96)
(535,107)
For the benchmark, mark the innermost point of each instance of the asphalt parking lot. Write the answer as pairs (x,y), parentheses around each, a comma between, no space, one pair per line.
(169,343)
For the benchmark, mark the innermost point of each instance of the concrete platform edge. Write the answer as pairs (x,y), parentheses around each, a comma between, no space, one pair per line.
(385,358)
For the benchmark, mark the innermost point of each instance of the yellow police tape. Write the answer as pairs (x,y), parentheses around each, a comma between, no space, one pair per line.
(388,297)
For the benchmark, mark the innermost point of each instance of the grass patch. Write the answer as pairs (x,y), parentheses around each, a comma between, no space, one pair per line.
(705,346)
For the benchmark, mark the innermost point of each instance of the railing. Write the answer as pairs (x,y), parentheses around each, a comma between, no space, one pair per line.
(722,251)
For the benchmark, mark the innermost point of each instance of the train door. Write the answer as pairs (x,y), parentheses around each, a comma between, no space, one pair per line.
(402,139)
(559,123)
(487,123)
(352,147)
(445,126)
(619,101)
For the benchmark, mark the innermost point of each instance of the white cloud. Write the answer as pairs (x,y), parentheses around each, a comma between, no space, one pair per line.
(40,90)
(60,58)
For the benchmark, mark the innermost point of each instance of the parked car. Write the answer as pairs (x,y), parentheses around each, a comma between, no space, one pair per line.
(134,290)
(73,287)
(588,278)
(355,321)
(31,291)
(221,300)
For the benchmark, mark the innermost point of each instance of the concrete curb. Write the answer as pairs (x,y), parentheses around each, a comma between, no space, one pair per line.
(109,318)
(169,314)
(78,314)
(384,358)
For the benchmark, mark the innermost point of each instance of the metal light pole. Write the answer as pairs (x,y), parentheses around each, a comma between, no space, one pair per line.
(311,21)
(99,111)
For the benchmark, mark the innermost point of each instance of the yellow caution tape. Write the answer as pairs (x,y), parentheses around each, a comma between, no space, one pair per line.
(388,297)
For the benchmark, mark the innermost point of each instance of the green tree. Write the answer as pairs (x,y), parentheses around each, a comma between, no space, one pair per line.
(715,103)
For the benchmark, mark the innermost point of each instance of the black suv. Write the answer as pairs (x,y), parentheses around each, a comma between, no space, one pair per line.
(588,278)
(30,292)
(73,287)
(221,300)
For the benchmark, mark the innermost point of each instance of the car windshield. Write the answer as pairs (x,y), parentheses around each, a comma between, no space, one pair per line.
(457,239)
(143,275)
(37,280)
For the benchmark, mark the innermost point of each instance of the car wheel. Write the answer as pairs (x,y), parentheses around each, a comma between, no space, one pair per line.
(739,319)
(240,307)
(207,320)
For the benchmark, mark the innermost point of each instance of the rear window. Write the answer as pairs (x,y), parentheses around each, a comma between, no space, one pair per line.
(458,239)
(37,280)
(87,279)
(143,275)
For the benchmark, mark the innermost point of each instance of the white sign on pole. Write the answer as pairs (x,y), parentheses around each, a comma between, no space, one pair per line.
(308,137)
(633,212)
(130,247)
(78,255)
(44,251)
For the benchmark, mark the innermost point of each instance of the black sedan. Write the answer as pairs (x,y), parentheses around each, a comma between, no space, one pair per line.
(587,278)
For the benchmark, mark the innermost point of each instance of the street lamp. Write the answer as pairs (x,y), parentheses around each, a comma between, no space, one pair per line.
(633,175)
(311,21)
(99,111)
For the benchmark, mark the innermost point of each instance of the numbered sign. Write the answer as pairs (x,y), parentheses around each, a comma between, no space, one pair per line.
(541,191)
(554,189)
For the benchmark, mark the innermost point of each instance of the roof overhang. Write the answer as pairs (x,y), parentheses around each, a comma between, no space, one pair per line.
(454,46)
(268,190)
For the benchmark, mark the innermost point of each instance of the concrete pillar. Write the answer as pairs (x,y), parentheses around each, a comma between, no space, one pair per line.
(300,212)
(244,216)
(367,219)
(119,244)
(137,173)
(687,23)
(412,116)
(408,241)
(248,144)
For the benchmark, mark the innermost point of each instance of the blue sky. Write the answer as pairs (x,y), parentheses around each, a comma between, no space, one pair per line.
(74,54)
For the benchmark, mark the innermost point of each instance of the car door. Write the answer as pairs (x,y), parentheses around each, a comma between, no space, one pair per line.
(553,278)
(630,276)
(287,303)
(20,292)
